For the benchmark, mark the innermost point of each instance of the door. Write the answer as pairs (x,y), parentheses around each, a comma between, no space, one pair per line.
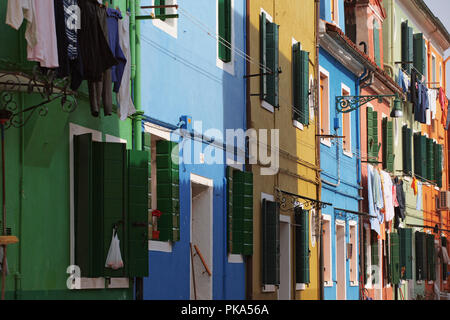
(201,238)
(340,262)
(284,292)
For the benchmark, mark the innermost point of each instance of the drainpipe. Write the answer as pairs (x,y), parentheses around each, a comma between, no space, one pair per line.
(316,119)
(248,259)
(225,253)
(135,49)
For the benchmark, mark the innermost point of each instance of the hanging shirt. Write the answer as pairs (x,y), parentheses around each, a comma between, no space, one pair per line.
(388,199)
(126,106)
(72,23)
(95,52)
(113,35)
(46,49)
(374,223)
(17,10)
(432,97)
(419,196)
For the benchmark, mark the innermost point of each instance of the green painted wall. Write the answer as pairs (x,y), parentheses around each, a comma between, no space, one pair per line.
(392,53)
(38,190)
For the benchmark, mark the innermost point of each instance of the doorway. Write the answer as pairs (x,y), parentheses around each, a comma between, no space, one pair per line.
(284,291)
(201,255)
(341,262)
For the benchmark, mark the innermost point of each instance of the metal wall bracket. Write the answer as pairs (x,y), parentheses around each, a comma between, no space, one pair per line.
(347,104)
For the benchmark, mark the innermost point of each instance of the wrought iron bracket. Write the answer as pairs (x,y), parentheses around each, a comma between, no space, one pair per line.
(47,86)
(288,201)
(345,104)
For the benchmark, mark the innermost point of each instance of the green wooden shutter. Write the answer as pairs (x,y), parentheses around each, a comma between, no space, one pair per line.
(263,55)
(444,265)
(376,43)
(405,236)
(417,155)
(388,259)
(230,229)
(110,199)
(243,209)
(388,145)
(431,258)
(138,172)
(270,243)
(301,85)
(419,52)
(225,30)
(374,251)
(370,138)
(88,224)
(423,158)
(160,11)
(395,258)
(272,63)
(407,46)
(430,159)
(302,246)
(406,137)
(438,164)
(420,256)
(168,190)
(147,146)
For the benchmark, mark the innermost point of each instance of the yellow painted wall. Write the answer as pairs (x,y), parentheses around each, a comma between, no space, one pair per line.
(297,156)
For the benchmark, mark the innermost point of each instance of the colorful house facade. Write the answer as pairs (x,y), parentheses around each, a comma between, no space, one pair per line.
(281,102)
(192,91)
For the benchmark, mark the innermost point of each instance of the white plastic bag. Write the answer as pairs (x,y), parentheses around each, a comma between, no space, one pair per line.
(114,258)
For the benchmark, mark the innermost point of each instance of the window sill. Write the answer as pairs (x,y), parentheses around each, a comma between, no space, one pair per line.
(159,246)
(235,258)
(300,286)
(328,284)
(268,288)
(326,141)
(354,283)
(348,154)
(102,283)
(267,106)
(297,124)
(228,67)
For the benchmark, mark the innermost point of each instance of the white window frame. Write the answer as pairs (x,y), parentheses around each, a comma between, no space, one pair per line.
(347,153)
(353,232)
(169,26)
(327,217)
(426,62)
(368,256)
(226,66)
(264,103)
(267,287)
(88,283)
(433,70)
(340,223)
(326,73)
(162,134)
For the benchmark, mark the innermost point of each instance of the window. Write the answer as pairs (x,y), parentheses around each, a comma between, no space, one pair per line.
(346,126)
(324,106)
(334,7)
(327,253)
(395,258)
(102,174)
(352,253)
(367,256)
(301,84)
(421,262)
(270,59)
(168,25)
(431,258)
(405,237)
(302,245)
(388,145)
(224,17)
(407,153)
(376,42)
(163,189)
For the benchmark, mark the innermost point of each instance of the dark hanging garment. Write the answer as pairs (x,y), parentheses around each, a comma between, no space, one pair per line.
(114,43)
(94,48)
(400,210)
(413,90)
(61,38)
(424,103)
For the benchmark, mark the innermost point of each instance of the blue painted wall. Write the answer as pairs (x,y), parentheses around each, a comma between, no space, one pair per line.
(325,12)
(338,168)
(180,77)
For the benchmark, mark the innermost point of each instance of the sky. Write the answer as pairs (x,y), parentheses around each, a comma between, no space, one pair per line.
(441,9)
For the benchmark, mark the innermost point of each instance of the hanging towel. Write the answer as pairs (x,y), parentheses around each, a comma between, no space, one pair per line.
(18,10)
(46,49)
(388,199)
(126,106)
(419,196)
(432,97)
